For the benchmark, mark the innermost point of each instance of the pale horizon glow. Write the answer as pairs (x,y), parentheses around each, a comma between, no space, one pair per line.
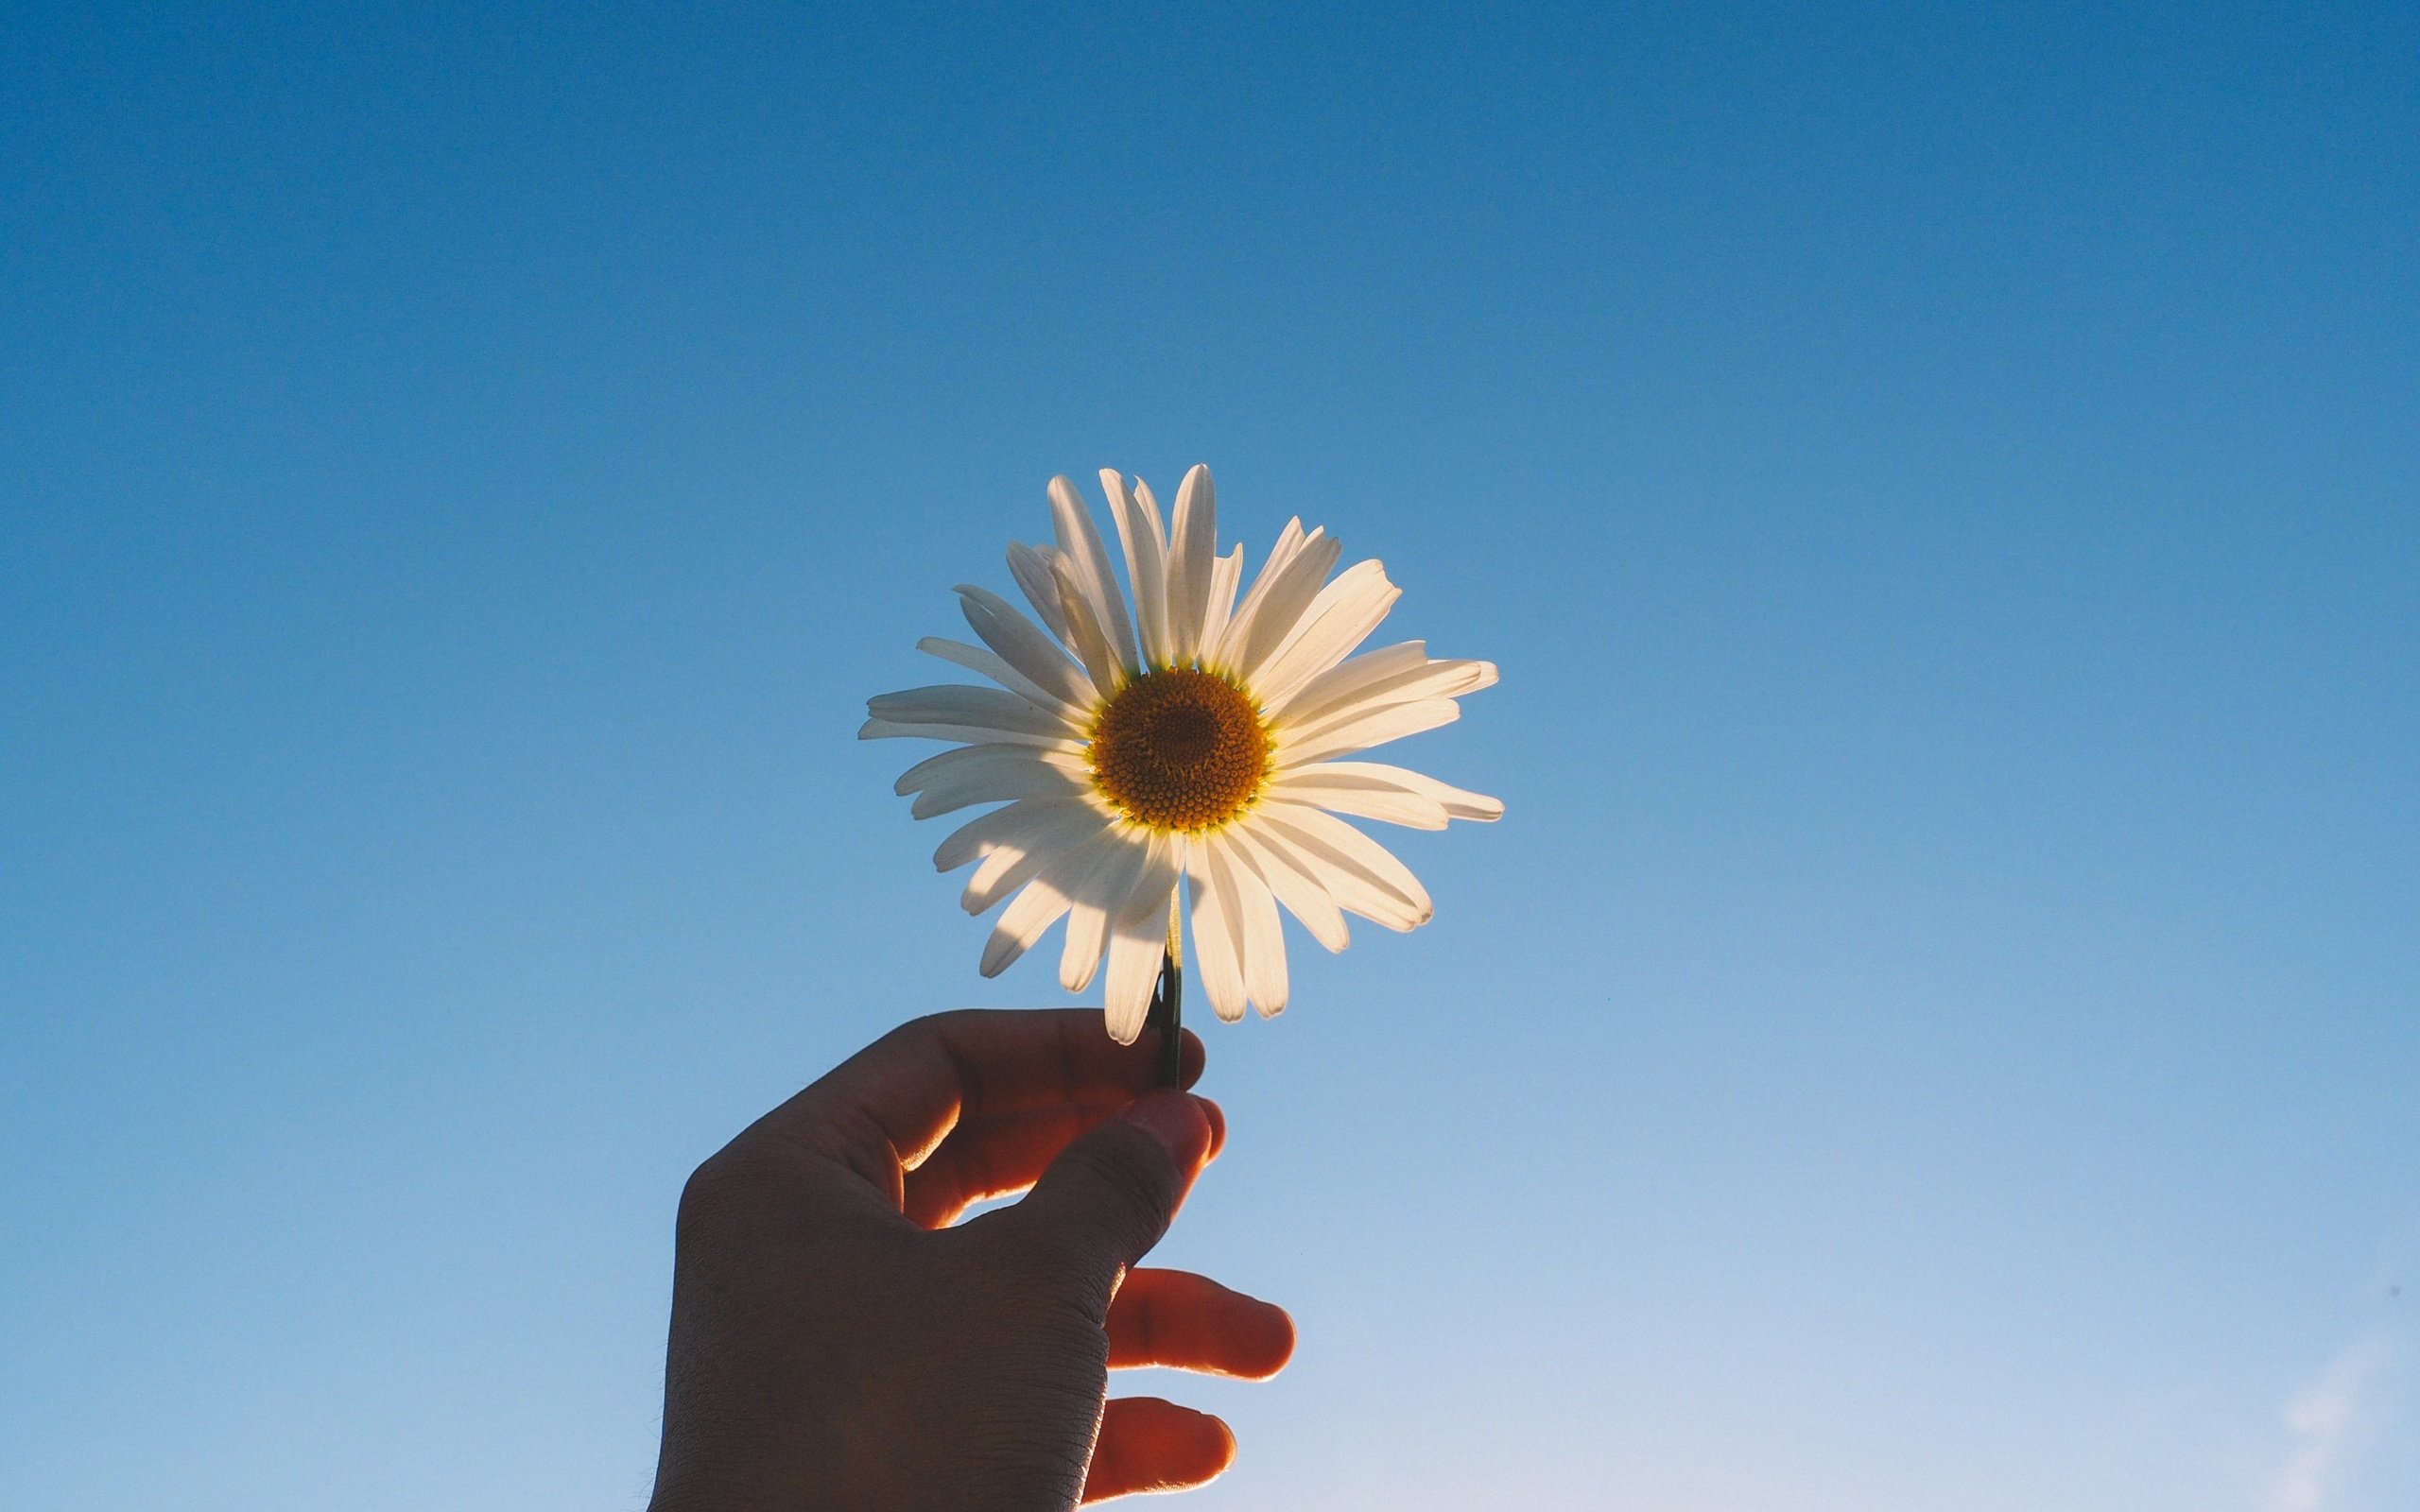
(2330,1420)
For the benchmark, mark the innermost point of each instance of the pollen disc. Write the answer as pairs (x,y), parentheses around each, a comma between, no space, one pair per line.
(1180,750)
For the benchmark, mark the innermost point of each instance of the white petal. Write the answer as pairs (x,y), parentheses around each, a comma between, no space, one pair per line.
(1355,849)
(1095,902)
(1359,874)
(1134,957)
(1137,941)
(1261,941)
(1148,901)
(1087,559)
(1437,679)
(1225,574)
(1008,867)
(1355,894)
(989,774)
(1012,826)
(1025,922)
(1214,940)
(1149,503)
(1391,805)
(1192,545)
(958,704)
(1045,898)
(971,734)
(1084,633)
(1294,884)
(1146,544)
(1311,784)
(1361,672)
(1024,646)
(1218,650)
(935,769)
(976,658)
(1355,730)
(1032,567)
(1260,630)
(1338,620)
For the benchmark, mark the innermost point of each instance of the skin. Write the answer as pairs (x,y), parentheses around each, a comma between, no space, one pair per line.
(841,1341)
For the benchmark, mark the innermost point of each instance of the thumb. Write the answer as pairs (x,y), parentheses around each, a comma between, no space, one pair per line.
(1107,1199)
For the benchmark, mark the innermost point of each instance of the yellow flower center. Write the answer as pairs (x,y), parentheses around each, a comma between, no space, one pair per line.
(1180,750)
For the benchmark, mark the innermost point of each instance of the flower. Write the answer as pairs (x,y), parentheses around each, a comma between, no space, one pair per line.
(1191,736)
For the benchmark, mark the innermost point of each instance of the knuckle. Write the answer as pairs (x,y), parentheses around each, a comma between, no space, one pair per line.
(932,1025)
(714,1192)
(1136,1178)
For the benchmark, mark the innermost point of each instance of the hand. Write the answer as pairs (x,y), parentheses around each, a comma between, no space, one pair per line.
(837,1343)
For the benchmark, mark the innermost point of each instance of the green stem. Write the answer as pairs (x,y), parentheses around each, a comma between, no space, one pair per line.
(1167,1005)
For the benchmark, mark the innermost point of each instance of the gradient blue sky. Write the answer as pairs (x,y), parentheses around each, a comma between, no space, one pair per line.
(1936,1028)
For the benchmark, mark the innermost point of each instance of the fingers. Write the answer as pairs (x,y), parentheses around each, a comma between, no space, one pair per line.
(1105,1201)
(886,1107)
(1149,1445)
(1005,1154)
(990,1158)
(1188,1322)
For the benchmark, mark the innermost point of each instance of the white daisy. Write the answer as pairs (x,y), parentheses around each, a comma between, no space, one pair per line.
(1194,737)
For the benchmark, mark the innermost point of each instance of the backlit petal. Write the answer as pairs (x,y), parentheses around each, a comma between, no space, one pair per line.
(1192,546)
(1358,730)
(1225,574)
(1084,633)
(1026,647)
(1310,782)
(1261,627)
(1032,567)
(1214,937)
(1138,940)
(976,658)
(1348,677)
(1338,620)
(1435,680)
(1094,902)
(1296,887)
(989,774)
(958,704)
(1044,901)
(1146,544)
(1011,826)
(1359,874)
(1011,865)
(1087,560)
(1260,940)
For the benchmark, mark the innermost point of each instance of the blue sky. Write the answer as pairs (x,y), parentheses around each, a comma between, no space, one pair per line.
(1935,1029)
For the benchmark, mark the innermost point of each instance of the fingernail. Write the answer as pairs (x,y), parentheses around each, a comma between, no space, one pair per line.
(1175,1118)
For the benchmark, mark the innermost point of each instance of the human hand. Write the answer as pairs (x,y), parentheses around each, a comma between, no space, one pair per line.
(838,1342)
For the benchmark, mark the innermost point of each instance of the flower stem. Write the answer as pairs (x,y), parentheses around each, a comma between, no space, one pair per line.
(1167,1005)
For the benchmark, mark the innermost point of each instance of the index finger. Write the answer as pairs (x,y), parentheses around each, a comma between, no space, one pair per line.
(886,1107)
